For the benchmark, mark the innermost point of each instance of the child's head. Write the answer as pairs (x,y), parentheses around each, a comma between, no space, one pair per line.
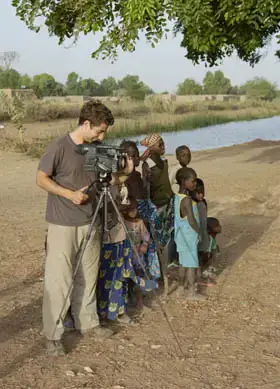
(183,155)
(154,143)
(213,226)
(132,151)
(186,178)
(199,192)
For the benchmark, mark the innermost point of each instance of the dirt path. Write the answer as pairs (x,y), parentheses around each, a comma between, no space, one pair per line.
(231,341)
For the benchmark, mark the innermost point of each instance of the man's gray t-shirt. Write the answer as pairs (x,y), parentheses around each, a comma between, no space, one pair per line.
(61,162)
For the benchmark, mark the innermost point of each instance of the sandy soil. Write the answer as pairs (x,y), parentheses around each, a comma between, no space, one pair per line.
(230,342)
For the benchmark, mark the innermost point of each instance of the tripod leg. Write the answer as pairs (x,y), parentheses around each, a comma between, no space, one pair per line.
(145,272)
(164,265)
(78,261)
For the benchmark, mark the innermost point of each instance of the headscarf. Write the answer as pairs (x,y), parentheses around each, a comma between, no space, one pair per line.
(149,142)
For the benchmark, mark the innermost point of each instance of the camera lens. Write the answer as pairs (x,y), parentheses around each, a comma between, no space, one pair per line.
(121,162)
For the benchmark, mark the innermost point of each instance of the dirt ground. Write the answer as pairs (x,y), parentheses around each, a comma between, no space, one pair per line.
(231,341)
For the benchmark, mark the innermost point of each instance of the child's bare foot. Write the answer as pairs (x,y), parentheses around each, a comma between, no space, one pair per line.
(180,291)
(140,305)
(208,282)
(125,320)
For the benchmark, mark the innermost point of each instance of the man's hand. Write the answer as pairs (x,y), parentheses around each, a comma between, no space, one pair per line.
(79,197)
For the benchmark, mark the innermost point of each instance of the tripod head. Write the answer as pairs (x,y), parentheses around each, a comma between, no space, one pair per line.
(104,179)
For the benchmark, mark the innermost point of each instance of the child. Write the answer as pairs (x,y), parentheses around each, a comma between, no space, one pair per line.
(214,228)
(187,231)
(155,170)
(138,191)
(115,270)
(183,155)
(134,183)
(198,196)
(140,237)
(159,207)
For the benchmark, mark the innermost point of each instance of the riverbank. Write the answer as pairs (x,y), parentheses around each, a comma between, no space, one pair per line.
(229,341)
(47,119)
(39,133)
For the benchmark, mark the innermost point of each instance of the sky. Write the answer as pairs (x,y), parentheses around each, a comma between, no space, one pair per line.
(162,68)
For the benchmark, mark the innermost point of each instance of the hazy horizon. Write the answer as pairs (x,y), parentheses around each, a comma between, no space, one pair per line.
(162,68)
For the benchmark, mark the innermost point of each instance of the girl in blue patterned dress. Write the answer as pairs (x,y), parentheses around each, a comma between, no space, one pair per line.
(187,232)
(116,269)
(137,190)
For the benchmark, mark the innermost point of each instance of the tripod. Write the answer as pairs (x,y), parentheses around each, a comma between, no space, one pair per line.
(102,204)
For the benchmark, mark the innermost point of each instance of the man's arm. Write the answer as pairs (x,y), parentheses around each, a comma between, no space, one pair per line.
(187,211)
(44,181)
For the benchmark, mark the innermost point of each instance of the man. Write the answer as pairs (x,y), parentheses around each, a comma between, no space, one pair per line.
(69,213)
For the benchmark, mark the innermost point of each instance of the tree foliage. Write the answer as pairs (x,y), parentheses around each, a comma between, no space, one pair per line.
(213,84)
(135,88)
(210,29)
(9,78)
(189,87)
(216,83)
(45,85)
(108,86)
(72,84)
(260,88)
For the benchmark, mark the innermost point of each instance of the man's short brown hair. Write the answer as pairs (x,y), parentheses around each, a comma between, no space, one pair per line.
(96,113)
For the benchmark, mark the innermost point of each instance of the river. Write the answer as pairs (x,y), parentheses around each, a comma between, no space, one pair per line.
(222,135)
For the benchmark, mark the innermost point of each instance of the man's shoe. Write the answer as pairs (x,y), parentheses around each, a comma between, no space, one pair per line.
(55,348)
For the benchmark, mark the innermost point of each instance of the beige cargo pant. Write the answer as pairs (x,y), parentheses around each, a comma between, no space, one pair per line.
(62,246)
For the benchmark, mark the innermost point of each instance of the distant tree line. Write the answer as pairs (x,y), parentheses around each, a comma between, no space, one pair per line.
(213,83)
(217,84)
(45,85)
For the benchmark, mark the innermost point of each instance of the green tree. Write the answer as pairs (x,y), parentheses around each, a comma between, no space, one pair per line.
(108,86)
(260,88)
(235,90)
(210,30)
(216,83)
(59,89)
(72,84)
(189,87)
(88,87)
(45,85)
(9,78)
(25,81)
(135,88)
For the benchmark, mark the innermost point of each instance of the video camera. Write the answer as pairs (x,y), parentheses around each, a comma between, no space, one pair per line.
(101,158)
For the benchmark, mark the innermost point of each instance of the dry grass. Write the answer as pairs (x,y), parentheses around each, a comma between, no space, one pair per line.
(45,120)
(40,111)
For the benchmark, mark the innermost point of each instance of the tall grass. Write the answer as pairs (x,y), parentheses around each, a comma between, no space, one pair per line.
(133,119)
(193,120)
(40,111)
